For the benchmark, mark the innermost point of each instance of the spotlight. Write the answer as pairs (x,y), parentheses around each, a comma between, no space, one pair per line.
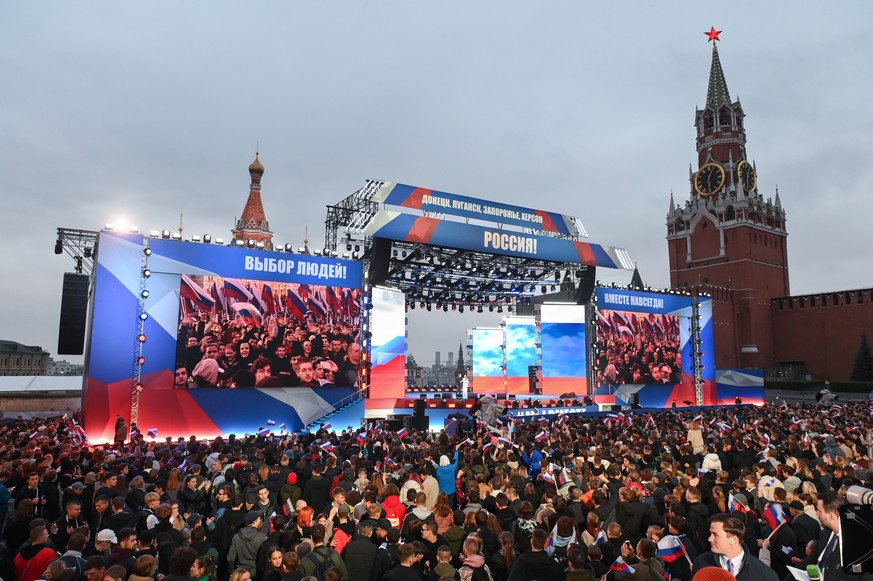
(207,239)
(260,244)
(59,246)
(89,252)
(138,386)
(145,294)
(289,247)
(461,308)
(109,226)
(155,233)
(499,309)
(133,229)
(165,234)
(146,273)
(195,238)
(349,247)
(141,338)
(239,242)
(479,310)
(176,236)
(219,240)
(250,243)
(147,251)
(140,360)
(143,316)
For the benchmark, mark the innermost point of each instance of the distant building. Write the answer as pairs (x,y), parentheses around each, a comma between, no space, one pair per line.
(62,367)
(18,359)
(252,226)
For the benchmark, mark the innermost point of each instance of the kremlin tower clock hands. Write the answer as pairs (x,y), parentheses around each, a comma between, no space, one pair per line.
(709,179)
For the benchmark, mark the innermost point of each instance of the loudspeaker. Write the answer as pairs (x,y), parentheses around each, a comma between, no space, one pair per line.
(586,285)
(419,407)
(74,314)
(420,423)
(380,261)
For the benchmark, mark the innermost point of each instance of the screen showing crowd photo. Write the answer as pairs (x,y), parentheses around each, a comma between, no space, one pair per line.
(237,333)
(638,348)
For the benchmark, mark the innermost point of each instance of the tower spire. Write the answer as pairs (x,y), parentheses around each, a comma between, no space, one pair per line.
(717,91)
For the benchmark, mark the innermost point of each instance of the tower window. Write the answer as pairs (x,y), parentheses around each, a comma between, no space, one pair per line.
(708,121)
(724,117)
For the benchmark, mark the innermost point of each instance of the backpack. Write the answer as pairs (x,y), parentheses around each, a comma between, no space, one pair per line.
(142,519)
(478,573)
(322,566)
(560,555)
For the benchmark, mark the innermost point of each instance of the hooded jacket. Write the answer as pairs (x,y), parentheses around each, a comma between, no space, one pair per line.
(535,566)
(445,475)
(394,510)
(465,571)
(244,549)
(31,562)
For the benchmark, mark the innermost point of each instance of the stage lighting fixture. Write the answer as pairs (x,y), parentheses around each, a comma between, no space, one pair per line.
(146,273)
(479,310)
(207,239)
(145,294)
(109,226)
(141,338)
(133,229)
(543,289)
(445,308)
(499,309)
(176,236)
(289,247)
(260,245)
(165,234)
(59,246)
(155,233)
(138,386)
(461,308)
(412,306)
(250,243)
(143,316)
(195,238)
(454,307)
(147,251)
(490,308)
(88,252)
(238,242)
(428,307)
(140,360)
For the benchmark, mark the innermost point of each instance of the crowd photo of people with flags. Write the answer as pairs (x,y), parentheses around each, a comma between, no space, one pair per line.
(742,492)
(243,333)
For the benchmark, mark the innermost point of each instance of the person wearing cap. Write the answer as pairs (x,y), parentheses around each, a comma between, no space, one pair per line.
(805,527)
(244,547)
(103,543)
(290,490)
(729,553)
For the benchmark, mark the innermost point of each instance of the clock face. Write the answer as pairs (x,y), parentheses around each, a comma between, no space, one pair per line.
(709,179)
(747,176)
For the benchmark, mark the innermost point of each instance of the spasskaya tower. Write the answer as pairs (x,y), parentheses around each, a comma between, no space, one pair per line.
(726,239)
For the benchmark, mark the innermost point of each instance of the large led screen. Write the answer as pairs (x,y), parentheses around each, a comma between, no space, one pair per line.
(488,361)
(564,349)
(645,339)
(521,352)
(388,376)
(188,309)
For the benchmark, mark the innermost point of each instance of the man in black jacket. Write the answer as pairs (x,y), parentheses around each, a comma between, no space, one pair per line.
(363,558)
(316,492)
(729,553)
(536,564)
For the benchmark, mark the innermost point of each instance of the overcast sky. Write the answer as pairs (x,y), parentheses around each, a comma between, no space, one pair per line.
(142,111)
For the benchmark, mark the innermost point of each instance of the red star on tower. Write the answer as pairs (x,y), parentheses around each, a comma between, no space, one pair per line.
(713,34)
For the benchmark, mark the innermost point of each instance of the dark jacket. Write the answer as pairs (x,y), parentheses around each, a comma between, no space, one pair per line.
(752,569)
(631,516)
(535,566)
(316,493)
(364,560)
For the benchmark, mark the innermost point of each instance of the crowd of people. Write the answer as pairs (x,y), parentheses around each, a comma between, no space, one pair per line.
(281,352)
(637,358)
(728,493)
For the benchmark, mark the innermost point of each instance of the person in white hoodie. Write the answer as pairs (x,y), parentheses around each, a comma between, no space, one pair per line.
(711,461)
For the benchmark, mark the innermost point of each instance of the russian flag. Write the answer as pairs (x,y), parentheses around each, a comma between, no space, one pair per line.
(316,306)
(218,296)
(327,426)
(765,438)
(362,438)
(548,477)
(620,565)
(701,472)
(271,423)
(327,446)
(402,433)
(248,311)
(268,299)
(563,477)
(264,432)
(234,289)
(775,516)
(670,548)
(390,464)
(543,435)
(735,504)
(601,538)
(153,432)
(195,293)
(295,304)
(257,299)
(504,441)
(288,507)
(282,427)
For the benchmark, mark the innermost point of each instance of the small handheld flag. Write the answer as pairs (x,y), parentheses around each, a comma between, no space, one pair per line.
(271,423)
(621,566)
(402,433)
(153,432)
(670,548)
(775,516)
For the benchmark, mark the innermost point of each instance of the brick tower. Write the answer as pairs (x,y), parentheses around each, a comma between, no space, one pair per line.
(252,224)
(726,239)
